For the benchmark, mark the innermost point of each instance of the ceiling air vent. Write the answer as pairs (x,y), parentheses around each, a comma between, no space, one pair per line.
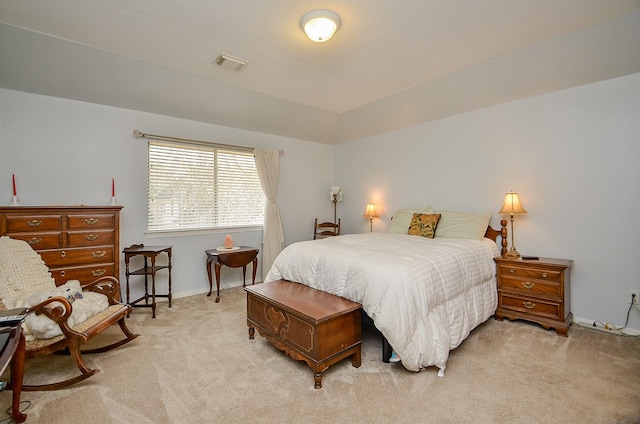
(230,62)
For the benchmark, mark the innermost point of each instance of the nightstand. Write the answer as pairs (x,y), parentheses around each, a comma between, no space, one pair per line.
(535,290)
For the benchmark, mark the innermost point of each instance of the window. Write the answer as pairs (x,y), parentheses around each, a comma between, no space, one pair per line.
(195,186)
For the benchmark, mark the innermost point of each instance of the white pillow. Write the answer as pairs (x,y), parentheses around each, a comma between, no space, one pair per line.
(454,224)
(84,304)
(402,219)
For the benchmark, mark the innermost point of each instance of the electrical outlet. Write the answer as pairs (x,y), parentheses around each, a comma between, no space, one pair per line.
(634,297)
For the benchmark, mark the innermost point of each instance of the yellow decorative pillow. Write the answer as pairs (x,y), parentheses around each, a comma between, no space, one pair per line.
(423,224)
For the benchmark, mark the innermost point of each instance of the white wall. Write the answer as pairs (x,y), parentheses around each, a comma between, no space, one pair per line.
(574,157)
(66,152)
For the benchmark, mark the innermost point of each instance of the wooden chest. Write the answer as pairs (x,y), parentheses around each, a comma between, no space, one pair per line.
(77,243)
(307,324)
(535,290)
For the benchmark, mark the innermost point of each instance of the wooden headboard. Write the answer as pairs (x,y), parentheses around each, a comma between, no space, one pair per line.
(493,235)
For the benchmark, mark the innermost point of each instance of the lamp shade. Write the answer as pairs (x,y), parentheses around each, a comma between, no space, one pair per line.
(370,212)
(512,204)
(320,25)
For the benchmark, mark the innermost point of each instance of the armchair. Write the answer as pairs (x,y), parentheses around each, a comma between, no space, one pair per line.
(25,277)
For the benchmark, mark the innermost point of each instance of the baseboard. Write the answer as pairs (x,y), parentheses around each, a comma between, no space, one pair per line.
(206,290)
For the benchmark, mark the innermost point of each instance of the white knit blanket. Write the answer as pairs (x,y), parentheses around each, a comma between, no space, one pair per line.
(22,272)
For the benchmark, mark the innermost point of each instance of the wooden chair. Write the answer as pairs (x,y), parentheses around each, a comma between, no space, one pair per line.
(23,273)
(325,229)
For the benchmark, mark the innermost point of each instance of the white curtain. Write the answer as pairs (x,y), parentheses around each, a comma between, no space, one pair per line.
(272,235)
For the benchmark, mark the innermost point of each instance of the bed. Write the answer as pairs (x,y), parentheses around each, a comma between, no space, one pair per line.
(423,294)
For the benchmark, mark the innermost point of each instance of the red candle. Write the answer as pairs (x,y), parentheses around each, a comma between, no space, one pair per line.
(113,187)
(13,178)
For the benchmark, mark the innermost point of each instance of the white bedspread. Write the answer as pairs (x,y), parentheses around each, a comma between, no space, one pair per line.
(424,295)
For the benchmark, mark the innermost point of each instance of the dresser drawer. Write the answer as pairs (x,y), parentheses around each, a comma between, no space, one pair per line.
(40,240)
(528,273)
(77,256)
(538,307)
(531,286)
(32,223)
(90,221)
(85,274)
(89,238)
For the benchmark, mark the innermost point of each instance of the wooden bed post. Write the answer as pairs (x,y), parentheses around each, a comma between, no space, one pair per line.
(493,234)
(503,236)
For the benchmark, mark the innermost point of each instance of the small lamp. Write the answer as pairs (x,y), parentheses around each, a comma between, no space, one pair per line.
(320,25)
(371,213)
(512,207)
(335,195)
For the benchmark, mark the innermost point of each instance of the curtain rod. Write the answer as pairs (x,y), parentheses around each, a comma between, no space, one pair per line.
(140,134)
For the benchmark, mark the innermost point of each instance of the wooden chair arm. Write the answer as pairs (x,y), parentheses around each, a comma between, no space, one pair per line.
(57,313)
(108,286)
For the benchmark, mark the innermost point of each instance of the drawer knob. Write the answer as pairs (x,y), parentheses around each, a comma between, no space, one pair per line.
(91,221)
(91,237)
(544,275)
(34,240)
(528,285)
(98,272)
(513,271)
(34,223)
(63,273)
(98,253)
(63,253)
(528,305)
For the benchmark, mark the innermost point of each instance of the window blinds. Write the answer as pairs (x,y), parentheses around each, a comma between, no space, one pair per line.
(199,186)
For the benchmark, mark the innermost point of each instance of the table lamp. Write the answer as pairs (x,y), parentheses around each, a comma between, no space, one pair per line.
(512,207)
(371,213)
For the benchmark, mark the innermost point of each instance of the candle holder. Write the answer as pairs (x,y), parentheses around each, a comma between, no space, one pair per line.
(113,200)
(15,201)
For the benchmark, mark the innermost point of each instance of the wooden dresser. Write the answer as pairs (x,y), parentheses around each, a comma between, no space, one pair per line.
(535,290)
(76,243)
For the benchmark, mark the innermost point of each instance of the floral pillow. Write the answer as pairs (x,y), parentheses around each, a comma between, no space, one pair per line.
(424,224)
(401,220)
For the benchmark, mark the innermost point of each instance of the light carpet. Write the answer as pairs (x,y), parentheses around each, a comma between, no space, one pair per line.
(194,363)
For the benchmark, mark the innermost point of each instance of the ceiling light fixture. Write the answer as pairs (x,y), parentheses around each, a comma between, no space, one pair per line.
(320,25)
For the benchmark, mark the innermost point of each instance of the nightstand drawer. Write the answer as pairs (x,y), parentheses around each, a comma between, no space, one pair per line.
(532,286)
(528,273)
(536,307)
